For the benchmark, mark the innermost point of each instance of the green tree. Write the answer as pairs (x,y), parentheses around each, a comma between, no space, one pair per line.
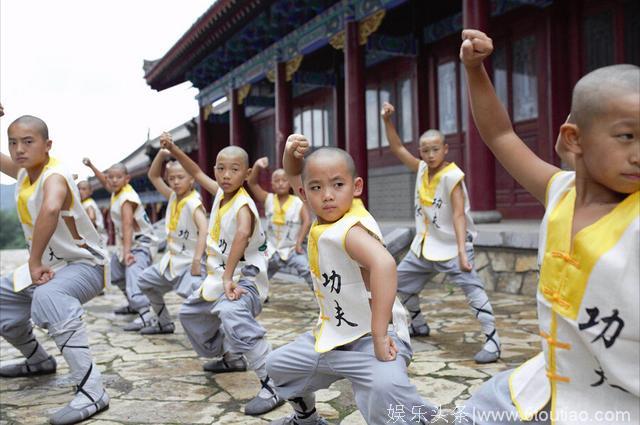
(11,236)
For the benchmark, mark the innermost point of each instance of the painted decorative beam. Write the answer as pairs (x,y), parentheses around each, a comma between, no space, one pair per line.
(453,24)
(326,28)
(394,46)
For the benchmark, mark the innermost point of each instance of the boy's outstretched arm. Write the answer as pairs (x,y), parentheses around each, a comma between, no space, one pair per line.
(259,194)
(395,144)
(493,121)
(207,183)
(99,174)
(200,219)
(374,257)
(304,228)
(8,167)
(460,226)
(127,211)
(244,227)
(56,192)
(293,159)
(155,171)
(92,215)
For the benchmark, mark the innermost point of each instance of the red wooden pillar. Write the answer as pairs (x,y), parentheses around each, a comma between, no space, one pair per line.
(236,118)
(355,113)
(284,114)
(204,154)
(479,161)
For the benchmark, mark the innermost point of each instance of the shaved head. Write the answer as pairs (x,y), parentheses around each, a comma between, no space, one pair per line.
(119,166)
(84,183)
(593,92)
(174,165)
(279,171)
(35,123)
(336,154)
(432,134)
(235,152)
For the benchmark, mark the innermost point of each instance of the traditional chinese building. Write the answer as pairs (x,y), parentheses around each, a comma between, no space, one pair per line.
(266,68)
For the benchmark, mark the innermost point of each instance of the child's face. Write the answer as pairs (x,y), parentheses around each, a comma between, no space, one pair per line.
(117,179)
(85,191)
(329,188)
(280,183)
(610,147)
(433,151)
(179,181)
(230,171)
(27,147)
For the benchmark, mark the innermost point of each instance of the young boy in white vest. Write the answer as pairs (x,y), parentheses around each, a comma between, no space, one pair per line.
(186,225)
(66,268)
(92,209)
(588,252)
(135,241)
(444,235)
(288,222)
(362,332)
(220,316)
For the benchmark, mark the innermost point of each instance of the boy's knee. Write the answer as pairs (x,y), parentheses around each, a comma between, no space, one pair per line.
(12,326)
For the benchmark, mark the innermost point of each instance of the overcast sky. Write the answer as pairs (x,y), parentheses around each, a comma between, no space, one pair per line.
(77,64)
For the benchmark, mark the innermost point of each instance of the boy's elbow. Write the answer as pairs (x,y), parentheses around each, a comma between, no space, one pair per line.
(50,210)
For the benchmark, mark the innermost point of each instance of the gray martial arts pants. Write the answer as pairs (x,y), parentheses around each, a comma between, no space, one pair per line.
(296,262)
(381,389)
(127,278)
(51,305)
(154,285)
(414,272)
(491,405)
(216,327)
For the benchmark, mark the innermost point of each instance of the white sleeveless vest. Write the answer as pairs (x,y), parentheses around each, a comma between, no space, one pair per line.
(588,313)
(91,203)
(182,234)
(222,231)
(283,224)
(62,248)
(435,237)
(144,236)
(345,312)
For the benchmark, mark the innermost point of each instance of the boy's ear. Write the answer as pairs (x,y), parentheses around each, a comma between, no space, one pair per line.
(248,173)
(49,143)
(445,147)
(570,138)
(358,186)
(127,178)
(302,194)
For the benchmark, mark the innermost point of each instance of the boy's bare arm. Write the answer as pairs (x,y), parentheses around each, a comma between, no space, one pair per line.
(460,226)
(127,210)
(207,183)
(493,121)
(395,144)
(92,215)
(244,226)
(155,173)
(304,228)
(293,159)
(373,256)
(99,174)
(55,194)
(8,167)
(259,194)
(200,219)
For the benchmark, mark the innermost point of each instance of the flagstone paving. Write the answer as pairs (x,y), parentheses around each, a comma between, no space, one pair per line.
(159,379)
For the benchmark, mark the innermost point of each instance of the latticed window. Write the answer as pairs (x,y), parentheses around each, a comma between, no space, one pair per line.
(525,80)
(398,92)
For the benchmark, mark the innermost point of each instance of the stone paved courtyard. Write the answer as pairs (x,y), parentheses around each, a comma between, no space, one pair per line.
(159,379)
